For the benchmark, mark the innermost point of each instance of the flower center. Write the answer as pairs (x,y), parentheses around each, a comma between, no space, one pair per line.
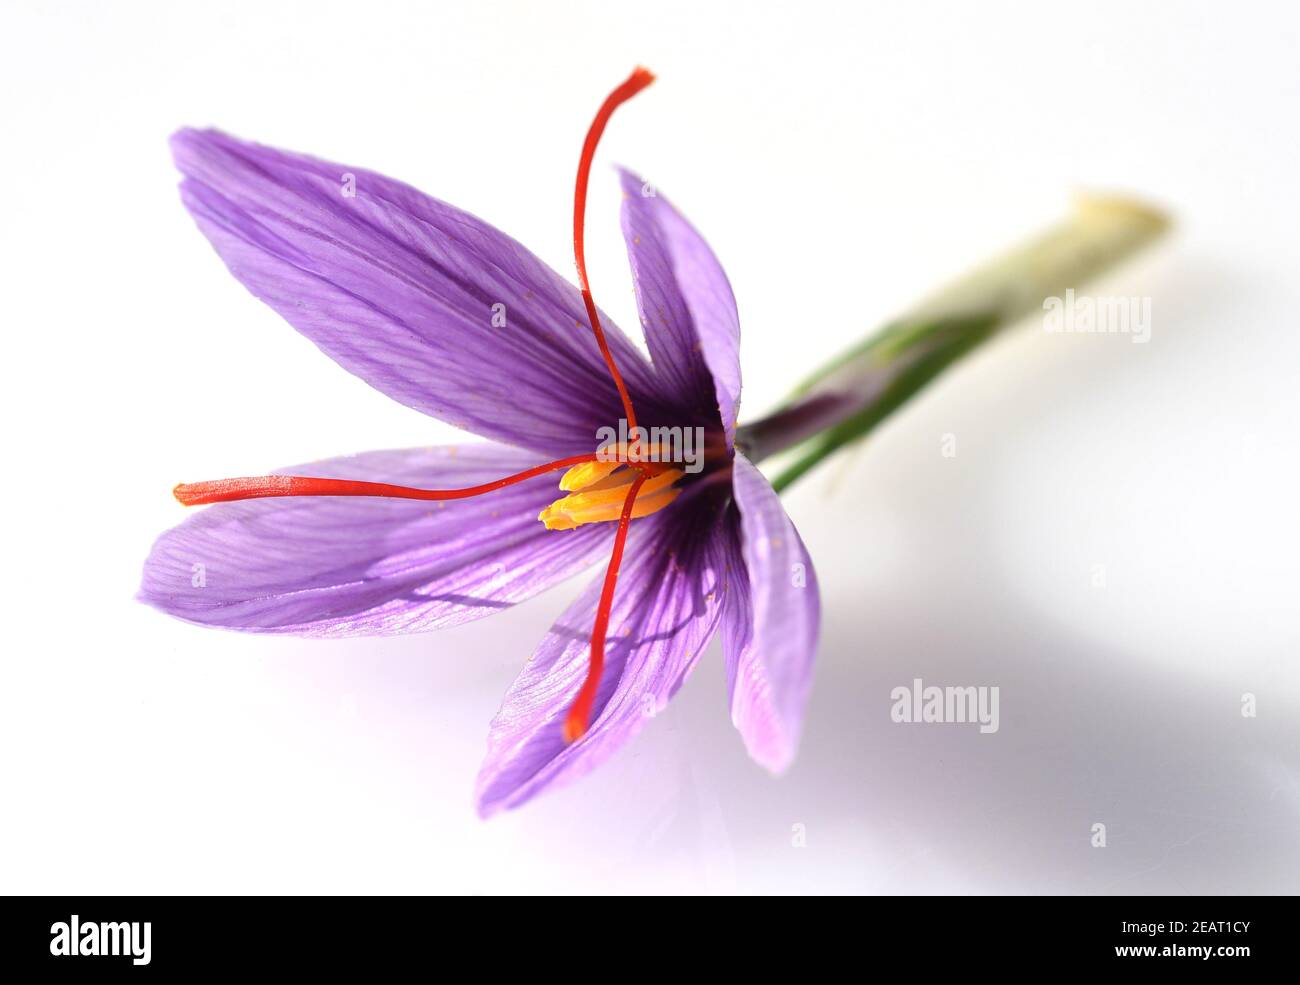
(598,490)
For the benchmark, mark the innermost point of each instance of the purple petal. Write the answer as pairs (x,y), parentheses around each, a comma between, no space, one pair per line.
(769,633)
(400,289)
(345,566)
(666,611)
(687,309)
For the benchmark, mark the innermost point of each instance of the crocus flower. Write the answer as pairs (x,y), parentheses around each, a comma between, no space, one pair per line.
(447,315)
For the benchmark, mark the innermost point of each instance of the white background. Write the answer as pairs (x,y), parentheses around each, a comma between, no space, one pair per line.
(842,160)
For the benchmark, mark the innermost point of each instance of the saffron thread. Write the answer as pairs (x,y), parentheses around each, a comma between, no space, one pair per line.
(638,80)
(266,486)
(578,719)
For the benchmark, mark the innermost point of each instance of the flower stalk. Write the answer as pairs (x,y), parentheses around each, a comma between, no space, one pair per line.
(842,402)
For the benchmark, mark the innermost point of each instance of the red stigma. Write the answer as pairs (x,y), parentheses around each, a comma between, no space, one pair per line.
(638,80)
(578,719)
(267,486)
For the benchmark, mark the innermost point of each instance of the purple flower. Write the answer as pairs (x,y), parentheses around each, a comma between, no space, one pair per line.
(447,315)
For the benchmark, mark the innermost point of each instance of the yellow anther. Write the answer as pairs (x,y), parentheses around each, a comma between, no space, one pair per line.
(602,498)
(620,454)
(586,474)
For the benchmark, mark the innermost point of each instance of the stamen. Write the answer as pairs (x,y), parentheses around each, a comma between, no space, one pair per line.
(264,486)
(611,458)
(602,500)
(578,719)
(638,80)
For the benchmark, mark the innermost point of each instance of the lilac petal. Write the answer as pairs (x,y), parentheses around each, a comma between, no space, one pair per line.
(769,632)
(400,289)
(351,566)
(666,611)
(688,312)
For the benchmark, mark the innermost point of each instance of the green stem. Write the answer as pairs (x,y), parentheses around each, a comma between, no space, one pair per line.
(847,398)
